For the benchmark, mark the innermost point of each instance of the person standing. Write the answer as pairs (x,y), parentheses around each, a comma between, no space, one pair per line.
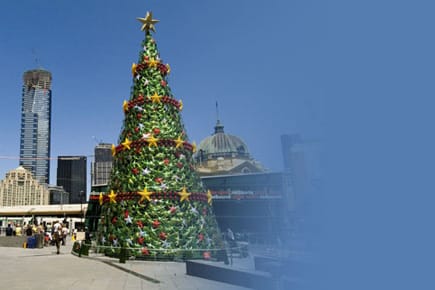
(230,238)
(64,234)
(74,234)
(57,235)
(9,230)
(29,231)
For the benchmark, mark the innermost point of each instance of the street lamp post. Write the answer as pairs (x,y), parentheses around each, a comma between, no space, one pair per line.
(81,208)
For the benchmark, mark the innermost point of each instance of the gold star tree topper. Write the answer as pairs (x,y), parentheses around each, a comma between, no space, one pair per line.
(148,22)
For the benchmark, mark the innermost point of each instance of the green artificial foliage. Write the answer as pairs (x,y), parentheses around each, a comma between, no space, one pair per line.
(154,154)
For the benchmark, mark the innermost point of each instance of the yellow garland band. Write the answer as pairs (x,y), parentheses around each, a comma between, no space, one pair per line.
(170,195)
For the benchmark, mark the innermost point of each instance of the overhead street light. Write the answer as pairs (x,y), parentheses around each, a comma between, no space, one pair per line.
(81,207)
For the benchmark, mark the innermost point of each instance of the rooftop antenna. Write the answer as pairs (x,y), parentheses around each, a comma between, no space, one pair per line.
(36,58)
(217,112)
(98,141)
(218,128)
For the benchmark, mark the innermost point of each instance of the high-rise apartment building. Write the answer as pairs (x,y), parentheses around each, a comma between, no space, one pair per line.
(35,124)
(19,188)
(102,165)
(71,175)
(302,160)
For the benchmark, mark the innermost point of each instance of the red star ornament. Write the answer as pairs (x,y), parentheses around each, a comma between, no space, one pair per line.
(145,251)
(173,209)
(206,255)
(156,224)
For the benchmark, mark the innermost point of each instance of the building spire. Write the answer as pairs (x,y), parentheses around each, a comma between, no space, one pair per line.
(219,128)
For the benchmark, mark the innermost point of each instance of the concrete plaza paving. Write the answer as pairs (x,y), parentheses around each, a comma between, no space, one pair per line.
(44,269)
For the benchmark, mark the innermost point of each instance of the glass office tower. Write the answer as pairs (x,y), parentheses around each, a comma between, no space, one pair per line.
(71,175)
(35,124)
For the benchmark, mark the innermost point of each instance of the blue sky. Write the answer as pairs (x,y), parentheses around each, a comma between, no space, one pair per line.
(357,74)
(259,60)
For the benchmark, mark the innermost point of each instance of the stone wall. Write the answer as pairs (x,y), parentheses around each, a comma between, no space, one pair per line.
(12,241)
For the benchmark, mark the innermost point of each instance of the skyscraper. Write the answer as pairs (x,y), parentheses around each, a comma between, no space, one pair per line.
(35,124)
(71,174)
(102,165)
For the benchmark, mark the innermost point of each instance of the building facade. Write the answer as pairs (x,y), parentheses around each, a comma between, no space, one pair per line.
(20,188)
(71,175)
(258,206)
(102,165)
(246,198)
(36,124)
(58,195)
(222,153)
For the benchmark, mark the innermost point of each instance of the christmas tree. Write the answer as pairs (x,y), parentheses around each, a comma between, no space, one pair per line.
(155,206)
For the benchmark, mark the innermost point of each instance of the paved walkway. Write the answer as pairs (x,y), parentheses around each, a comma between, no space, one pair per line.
(42,269)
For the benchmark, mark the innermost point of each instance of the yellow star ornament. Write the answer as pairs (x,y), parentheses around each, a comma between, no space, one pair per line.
(184,194)
(193,147)
(145,194)
(181,104)
(126,144)
(209,197)
(133,68)
(156,98)
(112,196)
(152,141)
(153,63)
(125,106)
(100,198)
(148,22)
(179,142)
(113,150)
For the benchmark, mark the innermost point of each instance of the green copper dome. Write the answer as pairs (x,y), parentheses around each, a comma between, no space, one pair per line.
(221,145)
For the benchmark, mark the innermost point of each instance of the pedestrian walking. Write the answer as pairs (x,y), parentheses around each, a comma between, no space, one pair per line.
(64,234)
(57,235)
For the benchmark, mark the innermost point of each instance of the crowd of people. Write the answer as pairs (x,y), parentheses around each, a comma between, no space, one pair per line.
(55,235)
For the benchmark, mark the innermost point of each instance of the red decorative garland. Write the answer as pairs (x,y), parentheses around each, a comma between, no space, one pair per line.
(163,68)
(140,100)
(161,142)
